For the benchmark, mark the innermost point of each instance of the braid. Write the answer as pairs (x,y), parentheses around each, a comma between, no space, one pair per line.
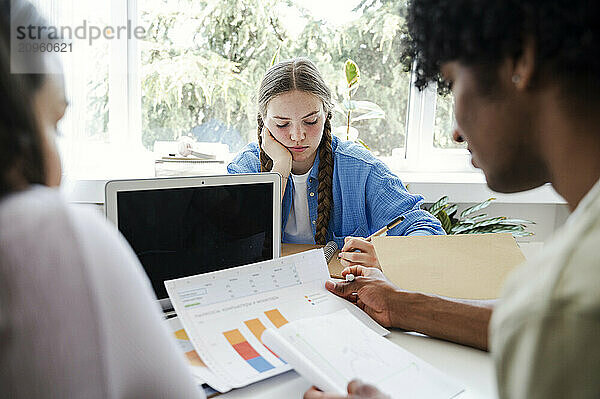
(266,163)
(325,193)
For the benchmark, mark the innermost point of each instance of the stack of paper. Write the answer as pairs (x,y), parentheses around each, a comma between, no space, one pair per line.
(225,313)
(330,351)
(198,368)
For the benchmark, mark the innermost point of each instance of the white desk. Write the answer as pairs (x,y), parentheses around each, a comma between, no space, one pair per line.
(471,367)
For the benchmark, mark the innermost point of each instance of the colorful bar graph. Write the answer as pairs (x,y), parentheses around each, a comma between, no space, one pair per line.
(246,351)
(194,359)
(256,327)
(186,345)
(276,317)
(182,335)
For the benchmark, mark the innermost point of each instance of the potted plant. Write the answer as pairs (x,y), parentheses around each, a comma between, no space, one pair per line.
(470,222)
(354,110)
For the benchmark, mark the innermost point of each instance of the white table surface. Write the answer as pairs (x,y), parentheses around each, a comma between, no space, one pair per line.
(470,367)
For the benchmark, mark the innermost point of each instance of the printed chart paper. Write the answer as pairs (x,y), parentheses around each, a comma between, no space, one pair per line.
(198,369)
(225,313)
(330,351)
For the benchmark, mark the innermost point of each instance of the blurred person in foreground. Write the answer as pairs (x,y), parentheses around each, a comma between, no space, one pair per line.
(526,82)
(78,318)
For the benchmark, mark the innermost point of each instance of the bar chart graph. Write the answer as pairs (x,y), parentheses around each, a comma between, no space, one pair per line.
(246,351)
(276,318)
(225,313)
(256,327)
(190,353)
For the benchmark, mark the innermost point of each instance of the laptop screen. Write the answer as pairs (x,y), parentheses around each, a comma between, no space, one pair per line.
(179,232)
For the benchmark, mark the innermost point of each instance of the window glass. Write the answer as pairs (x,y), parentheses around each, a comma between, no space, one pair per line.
(444,124)
(202,62)
(84,129)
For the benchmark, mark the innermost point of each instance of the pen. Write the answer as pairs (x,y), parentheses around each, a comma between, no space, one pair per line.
(384,229)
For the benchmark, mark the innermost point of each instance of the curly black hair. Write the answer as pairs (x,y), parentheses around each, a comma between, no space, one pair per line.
(483,33)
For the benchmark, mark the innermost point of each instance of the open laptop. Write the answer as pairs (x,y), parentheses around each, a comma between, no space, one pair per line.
(185,226)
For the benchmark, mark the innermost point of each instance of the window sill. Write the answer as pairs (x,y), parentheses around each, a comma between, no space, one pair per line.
(459,187)
(471,187)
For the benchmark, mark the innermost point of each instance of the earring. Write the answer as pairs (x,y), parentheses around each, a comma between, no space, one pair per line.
(516,78)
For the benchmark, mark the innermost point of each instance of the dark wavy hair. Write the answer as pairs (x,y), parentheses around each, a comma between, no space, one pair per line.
(483,33)
(20,140)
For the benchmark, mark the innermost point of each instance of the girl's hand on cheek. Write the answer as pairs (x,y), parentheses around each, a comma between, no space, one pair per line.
(280,155)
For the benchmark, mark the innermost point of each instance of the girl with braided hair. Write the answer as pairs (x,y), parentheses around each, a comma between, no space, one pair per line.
(331,189)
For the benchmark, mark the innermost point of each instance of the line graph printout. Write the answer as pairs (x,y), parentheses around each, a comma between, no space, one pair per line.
(225,312)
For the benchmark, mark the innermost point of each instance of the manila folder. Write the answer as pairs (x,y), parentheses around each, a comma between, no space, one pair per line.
(468,266)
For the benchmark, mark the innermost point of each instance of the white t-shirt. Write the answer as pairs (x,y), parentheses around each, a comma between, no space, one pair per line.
(78,317)
(298,229)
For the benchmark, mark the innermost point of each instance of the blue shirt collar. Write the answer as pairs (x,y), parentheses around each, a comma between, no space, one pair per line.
(314,172)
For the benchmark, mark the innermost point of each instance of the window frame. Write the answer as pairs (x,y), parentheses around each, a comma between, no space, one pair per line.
(125,110)
(124,120)
(425,156)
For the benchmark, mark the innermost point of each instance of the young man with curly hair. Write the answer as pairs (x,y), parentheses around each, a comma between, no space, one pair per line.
(526,82)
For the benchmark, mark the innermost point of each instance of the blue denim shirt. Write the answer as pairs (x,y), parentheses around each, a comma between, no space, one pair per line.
(367,195)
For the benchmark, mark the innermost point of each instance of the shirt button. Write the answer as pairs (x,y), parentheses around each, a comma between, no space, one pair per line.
(314,222)
(312,194)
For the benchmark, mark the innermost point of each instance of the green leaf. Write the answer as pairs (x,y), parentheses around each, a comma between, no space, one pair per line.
(462,228)
(498,228)
(341,108)
(517,221)
(518,234)
(459,229)
(365,106)
(445,220)
(275,58)
(348,105)
(352,73)
(495,229)
(474,219)
(371,110)
(451,210)
(489,222)
(359,141)
(477,207)
(438,205)
(369,115)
